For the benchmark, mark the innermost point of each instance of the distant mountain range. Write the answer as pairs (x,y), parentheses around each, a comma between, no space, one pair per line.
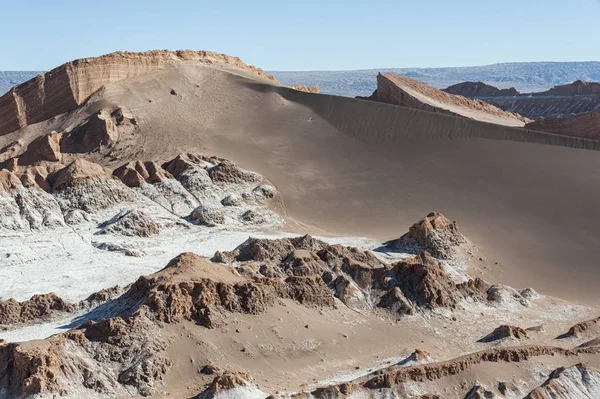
(525,76)
(10,78)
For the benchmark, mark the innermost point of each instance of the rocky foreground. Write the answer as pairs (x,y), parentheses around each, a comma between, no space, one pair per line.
(135,347)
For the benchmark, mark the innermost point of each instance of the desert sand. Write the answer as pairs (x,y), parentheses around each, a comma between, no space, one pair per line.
(184,148)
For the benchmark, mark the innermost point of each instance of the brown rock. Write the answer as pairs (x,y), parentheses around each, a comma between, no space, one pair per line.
(39,306)
(505,331)
(77,172)
(406,92)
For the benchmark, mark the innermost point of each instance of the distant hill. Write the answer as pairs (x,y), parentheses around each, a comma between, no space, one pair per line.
(525,77)
(10,78)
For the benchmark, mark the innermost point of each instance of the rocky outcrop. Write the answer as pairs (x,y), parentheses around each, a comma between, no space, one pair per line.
(406,92)
(424,283)
(583,327)
(434,233)
(232,385)
(586,125)
(358,278)
(132,223)
(578,381)
(308,89)
(505,331)
(479,89)
(390,379)
(228,172)
(561,102)
(38,307)
(64,88)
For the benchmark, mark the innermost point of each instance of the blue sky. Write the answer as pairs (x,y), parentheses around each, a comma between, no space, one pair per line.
(304,35)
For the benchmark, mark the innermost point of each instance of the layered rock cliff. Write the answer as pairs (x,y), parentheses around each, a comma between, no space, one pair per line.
(69,85)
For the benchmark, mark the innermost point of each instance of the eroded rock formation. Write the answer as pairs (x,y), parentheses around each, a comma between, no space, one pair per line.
(64,88)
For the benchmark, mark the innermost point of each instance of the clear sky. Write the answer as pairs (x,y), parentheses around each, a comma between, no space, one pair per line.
(304,34)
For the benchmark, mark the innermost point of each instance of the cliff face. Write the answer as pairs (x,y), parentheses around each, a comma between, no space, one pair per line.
(406,92)
(584,125)
(479,89)
(64,88)
(559,102)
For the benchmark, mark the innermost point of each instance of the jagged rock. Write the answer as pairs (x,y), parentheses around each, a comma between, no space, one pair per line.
(133,174)
(208,216)
(434,233)
(256,249)
(505,331)
(424,283)
(228,172)
(76,173)
(582,327)
(143,373)
(578,381)
(8,180)
(39,306)
(232,385)
(44,148)
(131,223)
(395,300)
(479,392)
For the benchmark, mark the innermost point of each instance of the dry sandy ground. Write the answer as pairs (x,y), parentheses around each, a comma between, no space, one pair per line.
(353,167)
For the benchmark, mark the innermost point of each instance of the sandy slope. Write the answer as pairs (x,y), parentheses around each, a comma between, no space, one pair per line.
(354,167)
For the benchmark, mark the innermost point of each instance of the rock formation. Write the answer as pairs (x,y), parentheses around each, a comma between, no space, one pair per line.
(64,88)
(39,306)
(406,92)
(578,381)
(505,331)
(434,233)
(585,125)
(561,102)
(479,89)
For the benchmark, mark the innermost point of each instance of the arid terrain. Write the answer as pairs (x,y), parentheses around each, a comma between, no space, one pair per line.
(182,225)
(563,101)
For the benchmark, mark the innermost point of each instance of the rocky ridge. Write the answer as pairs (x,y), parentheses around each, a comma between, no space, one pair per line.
(560,102)
(71,84)
(406,92)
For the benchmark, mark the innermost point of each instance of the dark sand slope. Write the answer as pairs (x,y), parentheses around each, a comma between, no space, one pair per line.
(347,166)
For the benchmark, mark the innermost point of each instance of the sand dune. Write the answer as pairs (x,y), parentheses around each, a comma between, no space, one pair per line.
(356,167)
(86,181)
